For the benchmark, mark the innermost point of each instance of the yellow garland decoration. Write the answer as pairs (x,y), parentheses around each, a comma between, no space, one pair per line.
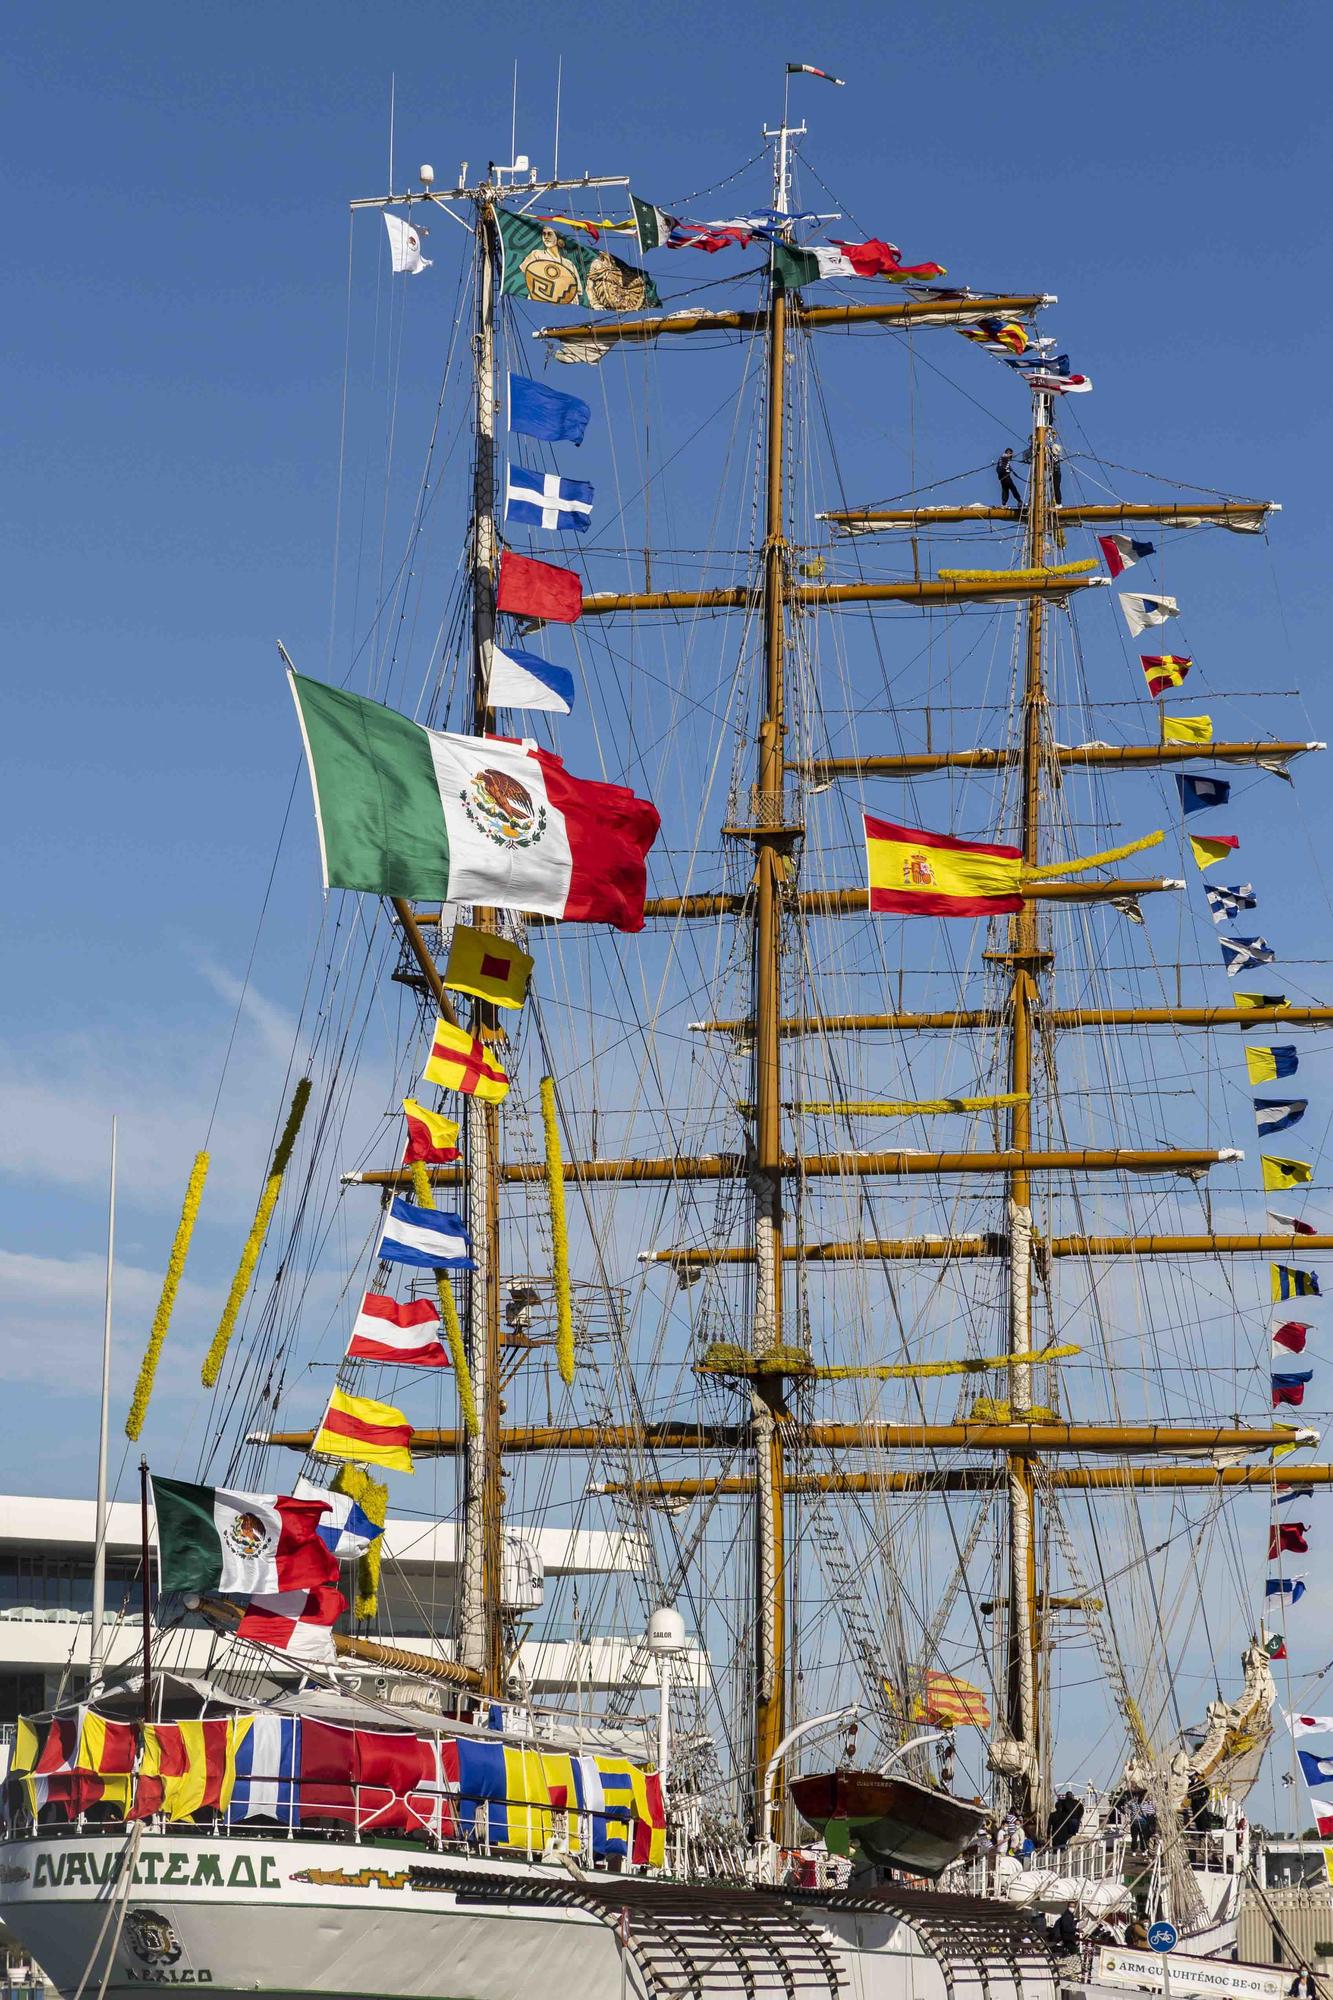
(1017,575)
(372,1497)
(555,1190)
(254,1242)
(166,1305)
(902,1107)
(1092,860)
(453,1326)
(916,1368)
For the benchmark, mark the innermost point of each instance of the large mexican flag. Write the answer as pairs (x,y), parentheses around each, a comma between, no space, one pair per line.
(211,1539)
(407,811)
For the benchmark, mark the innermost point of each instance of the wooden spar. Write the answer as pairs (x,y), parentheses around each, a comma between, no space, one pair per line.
(480,1628)
(1080,756)
(1060,1018)
(420,950)
(771,1581)
(901,312)
(929,592)
(969,1479)
(1068,517)
(948,1249)
(451,1672)
(832,1166)
(1122,1439)
(853,902)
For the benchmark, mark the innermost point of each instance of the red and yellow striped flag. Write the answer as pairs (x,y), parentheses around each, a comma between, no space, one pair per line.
(946,1700)
(918,874)
(364,1431)
(458,1061)
(431,1138)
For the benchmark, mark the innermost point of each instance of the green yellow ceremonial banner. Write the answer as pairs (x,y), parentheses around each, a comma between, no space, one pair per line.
(538,263)
(1187,729)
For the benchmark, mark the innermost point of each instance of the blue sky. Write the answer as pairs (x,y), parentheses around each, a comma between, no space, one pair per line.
(175,329)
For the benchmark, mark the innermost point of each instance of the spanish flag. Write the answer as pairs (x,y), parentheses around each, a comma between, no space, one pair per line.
(1207,852)
(431,1138)
(1164,670)
(917,874)
(489,967)
(458,1061)
(1187,729)
(364,1431)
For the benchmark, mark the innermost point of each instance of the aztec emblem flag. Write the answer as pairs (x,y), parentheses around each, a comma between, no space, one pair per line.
(429,1239)
(532,589)
(1267,1065)
(1122,552)
(1291,1335)
(1187,729)
(488,967)
(1227,903)
(1164,670)
(364,1431)
(538,263)
(1286,1283)
(407,811)
(296,1621)
(405,247)
(458,1061)
(515,679)
(405,1332)
(1141,612)
(1197,794)
(209,1538)
(917,874)
(347,1530)
(846,260)
(1239,954)
(545,500)
(432,1139)
(549,414)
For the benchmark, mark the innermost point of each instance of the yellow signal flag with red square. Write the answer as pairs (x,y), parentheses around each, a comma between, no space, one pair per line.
(432,1138)
(458,1061)
(487,967)
(918,874)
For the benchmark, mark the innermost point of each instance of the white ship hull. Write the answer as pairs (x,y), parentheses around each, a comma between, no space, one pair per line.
(293,1919)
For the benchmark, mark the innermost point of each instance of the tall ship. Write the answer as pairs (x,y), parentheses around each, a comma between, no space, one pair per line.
(748,1097)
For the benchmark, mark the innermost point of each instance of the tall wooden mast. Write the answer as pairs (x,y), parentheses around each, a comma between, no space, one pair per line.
(771,838)
(480,1630)
(1019,1755)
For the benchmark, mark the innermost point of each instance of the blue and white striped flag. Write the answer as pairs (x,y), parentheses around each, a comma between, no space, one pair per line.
(430,1239)
(346,1530)
(545,500)
(525,680)
(1275,1114)
(1226,903)
(1239,954)
(268,1764)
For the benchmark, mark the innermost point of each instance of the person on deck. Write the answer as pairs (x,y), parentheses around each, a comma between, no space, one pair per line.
(1136,1936)
(1009,493)
(1063,1933)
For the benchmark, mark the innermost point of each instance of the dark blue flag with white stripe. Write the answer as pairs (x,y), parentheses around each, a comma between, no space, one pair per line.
(1198,793)
(549,414)
(545,500)
(1226,903)
(1275,1114)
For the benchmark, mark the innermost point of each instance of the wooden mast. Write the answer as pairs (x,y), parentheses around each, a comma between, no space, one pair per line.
(1019,1757)
(769,836)
(481,1631)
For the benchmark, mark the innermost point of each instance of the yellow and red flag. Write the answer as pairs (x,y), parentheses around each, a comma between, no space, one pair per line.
(185,1767)
(946,1701)
(431,1138)
(1216,848)
(458,1061)
(1164,670)
(364,1431)
(488,967)
(918,874)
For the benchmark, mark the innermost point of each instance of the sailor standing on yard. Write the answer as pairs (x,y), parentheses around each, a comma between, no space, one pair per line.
(1009,493)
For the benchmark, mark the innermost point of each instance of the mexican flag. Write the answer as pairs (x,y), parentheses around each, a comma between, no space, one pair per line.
(407,811)
(845,260)
(211,1539)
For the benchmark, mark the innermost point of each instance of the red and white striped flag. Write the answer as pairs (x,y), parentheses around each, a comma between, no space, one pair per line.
(404,1331)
